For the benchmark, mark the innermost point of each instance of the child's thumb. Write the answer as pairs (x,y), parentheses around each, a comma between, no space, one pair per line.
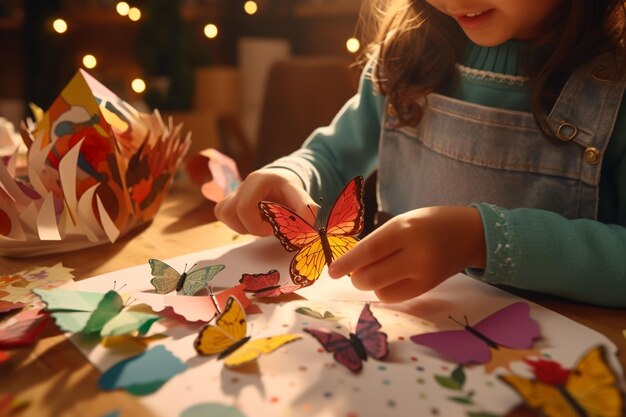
(302,203)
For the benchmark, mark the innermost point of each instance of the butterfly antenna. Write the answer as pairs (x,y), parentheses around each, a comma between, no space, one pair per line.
(317,223)
(193,266)
(117,289)
(456,321)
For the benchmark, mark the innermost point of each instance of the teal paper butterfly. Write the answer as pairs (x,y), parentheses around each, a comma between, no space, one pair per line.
(167,279)
(94,313)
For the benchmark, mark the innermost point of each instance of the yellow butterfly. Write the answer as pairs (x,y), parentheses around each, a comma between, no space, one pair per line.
(228,338)
(590,389)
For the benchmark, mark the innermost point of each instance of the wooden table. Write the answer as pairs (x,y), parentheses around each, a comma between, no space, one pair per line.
(58,381)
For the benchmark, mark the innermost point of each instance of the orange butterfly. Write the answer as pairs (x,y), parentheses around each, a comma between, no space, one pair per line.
(322,245)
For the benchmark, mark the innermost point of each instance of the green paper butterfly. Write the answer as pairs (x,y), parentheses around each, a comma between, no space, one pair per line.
(167,279)
(94,313)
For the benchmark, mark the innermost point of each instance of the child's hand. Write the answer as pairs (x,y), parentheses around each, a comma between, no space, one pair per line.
(414,252)
(240,211)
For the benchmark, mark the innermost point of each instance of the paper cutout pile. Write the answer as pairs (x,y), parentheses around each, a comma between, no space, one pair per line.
(96,168)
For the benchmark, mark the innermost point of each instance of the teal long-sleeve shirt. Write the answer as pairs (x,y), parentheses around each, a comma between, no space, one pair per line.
(580,259)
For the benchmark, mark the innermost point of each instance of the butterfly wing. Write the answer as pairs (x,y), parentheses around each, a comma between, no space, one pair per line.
(307,265)
(340,346)
(260,282)
(275,292)
(367,330)
(346,216)
(594,385)
(229,328)
(251,350)
(292,231)
(198,279)
(460,346)
(165,277)
(541,396)
(510,326)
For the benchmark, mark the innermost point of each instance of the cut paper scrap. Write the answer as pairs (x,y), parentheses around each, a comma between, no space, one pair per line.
(266,284)
(92,313)
(18,287)
(216,173)
(510,327)
(166,279)
(456,384)
(11,405)
(317,246)
(22,329)
(327,315)
(143,374)
(590,388)
(367,341)
(9,306)
(212,410)
(228,338)
(193,308)
(95,169)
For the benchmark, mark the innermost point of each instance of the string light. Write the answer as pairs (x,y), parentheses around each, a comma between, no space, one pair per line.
(90,61)
(353,45)
(250,7)
(59,26)
(138,85)
(122,8)
(210,31)
(134,14)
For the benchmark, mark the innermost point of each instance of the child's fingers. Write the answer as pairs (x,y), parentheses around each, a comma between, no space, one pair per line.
(400,291)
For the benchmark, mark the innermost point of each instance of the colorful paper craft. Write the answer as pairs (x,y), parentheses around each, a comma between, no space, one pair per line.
(228,338)
(143,374)
(18,287)
(212,410)
(317,246)
(94,313)
(221,177)
(96,168)
(591,388)
(9,306)
(327,315)
(167,279)
(22,329)
(353,350)
(511,327)
(266,284)
(196,308)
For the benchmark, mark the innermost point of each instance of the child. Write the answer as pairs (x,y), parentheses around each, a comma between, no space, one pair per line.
(499,135)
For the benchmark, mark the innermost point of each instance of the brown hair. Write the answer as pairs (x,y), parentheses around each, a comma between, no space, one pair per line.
(416,48)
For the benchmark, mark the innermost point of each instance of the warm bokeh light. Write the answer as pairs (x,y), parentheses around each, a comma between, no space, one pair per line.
(138,85)
(210,31)
(250,7)
(353,45)
(122,8)
(90,61)
(134,14)
(59,25)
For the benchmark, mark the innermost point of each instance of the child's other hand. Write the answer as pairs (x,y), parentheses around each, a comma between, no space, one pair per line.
(239,210)
(414,252)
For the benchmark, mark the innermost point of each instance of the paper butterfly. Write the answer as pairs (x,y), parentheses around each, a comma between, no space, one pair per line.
(327,315)
(318,246)
(22,329)
(228,338)
(198,308)
(94,313)
(590,389)
(352,351)
(266,285)
(511,327)
(167,279)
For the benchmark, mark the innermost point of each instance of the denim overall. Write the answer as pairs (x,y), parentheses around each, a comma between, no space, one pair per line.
(463,153)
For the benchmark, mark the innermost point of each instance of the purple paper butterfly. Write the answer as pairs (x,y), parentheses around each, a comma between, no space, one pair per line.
(366,341)
(511,327)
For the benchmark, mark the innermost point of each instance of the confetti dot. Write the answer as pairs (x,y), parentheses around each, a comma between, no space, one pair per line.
(420,380)
(401,337)
(420,368)
(305,323)
(444,368)
(338,327)
(391,403)
(234,380)
(414,358)
(274,400)
(422,395)
(386,382)
(382,368)
(434,411)
(307,407)
(356,389)
(489,383)
(328,394)
(352,414)
(320,350)
(303,368)
(285,325)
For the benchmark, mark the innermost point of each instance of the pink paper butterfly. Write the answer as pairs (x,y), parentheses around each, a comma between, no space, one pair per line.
(352,351)
(511,327)
(266,285)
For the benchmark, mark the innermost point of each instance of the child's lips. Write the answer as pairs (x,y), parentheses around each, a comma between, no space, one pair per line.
(473,20)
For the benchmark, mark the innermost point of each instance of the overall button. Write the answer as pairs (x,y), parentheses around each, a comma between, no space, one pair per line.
(602,73)
(566,131)
(592,156)
(391,111)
